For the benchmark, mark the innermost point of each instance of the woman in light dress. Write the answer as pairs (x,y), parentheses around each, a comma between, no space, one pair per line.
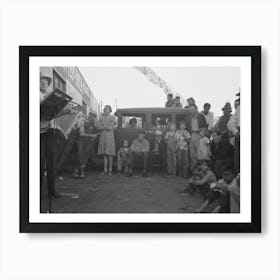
(106,146)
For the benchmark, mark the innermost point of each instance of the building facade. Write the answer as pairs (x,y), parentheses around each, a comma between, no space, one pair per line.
(71,81)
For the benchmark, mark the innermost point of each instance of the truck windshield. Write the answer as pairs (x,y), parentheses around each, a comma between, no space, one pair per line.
(133,121)
(161,121)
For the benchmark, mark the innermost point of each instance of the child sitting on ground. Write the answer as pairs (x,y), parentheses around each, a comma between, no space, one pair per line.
(201,181)
(203,151)
(124,158)
(220,192)
(171,150)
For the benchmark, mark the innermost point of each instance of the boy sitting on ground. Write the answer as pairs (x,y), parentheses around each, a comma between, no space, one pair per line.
(201,181)
(220,192)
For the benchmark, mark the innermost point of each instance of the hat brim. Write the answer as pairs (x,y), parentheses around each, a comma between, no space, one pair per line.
(47,78)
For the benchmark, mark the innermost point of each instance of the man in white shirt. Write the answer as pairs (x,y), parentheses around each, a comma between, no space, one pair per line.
(209,116)
(46,141)
(45,81)
(233,124)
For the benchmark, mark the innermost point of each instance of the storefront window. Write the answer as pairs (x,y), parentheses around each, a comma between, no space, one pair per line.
(58,82)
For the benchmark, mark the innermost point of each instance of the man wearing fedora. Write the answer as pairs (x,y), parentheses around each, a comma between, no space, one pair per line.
(46,140)
(224,119)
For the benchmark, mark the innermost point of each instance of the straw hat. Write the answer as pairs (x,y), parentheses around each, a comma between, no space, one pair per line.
(44,75)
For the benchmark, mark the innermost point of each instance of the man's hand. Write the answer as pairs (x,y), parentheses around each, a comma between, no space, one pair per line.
(218,186)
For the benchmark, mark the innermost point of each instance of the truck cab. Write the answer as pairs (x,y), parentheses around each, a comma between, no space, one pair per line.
(130,120)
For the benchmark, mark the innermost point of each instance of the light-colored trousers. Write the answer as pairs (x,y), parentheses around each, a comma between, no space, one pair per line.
(193,147)
(183,162)
(171,161)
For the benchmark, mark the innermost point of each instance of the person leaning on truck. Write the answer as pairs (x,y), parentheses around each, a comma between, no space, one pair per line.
(140,148)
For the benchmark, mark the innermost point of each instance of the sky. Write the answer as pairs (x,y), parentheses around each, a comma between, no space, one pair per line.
(125,87)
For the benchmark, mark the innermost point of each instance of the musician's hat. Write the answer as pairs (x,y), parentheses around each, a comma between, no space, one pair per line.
(44,75)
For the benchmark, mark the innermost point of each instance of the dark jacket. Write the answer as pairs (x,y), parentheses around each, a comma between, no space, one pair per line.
(222,151)
(201,122)
(222,123)
(161,148)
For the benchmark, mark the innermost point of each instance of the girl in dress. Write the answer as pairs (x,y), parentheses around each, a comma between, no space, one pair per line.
(106,146)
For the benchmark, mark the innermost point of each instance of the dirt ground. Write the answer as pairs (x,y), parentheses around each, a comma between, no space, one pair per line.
(119,194)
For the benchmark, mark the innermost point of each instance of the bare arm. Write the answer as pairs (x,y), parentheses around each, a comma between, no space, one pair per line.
(202,181)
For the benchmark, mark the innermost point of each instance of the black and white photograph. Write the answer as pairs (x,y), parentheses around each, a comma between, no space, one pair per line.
(140,139)
(141,135)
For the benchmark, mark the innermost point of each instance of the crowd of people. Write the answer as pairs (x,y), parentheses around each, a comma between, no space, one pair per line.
(213,156)
(204,153)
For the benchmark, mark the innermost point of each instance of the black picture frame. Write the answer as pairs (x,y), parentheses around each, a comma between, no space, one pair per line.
(25,52)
